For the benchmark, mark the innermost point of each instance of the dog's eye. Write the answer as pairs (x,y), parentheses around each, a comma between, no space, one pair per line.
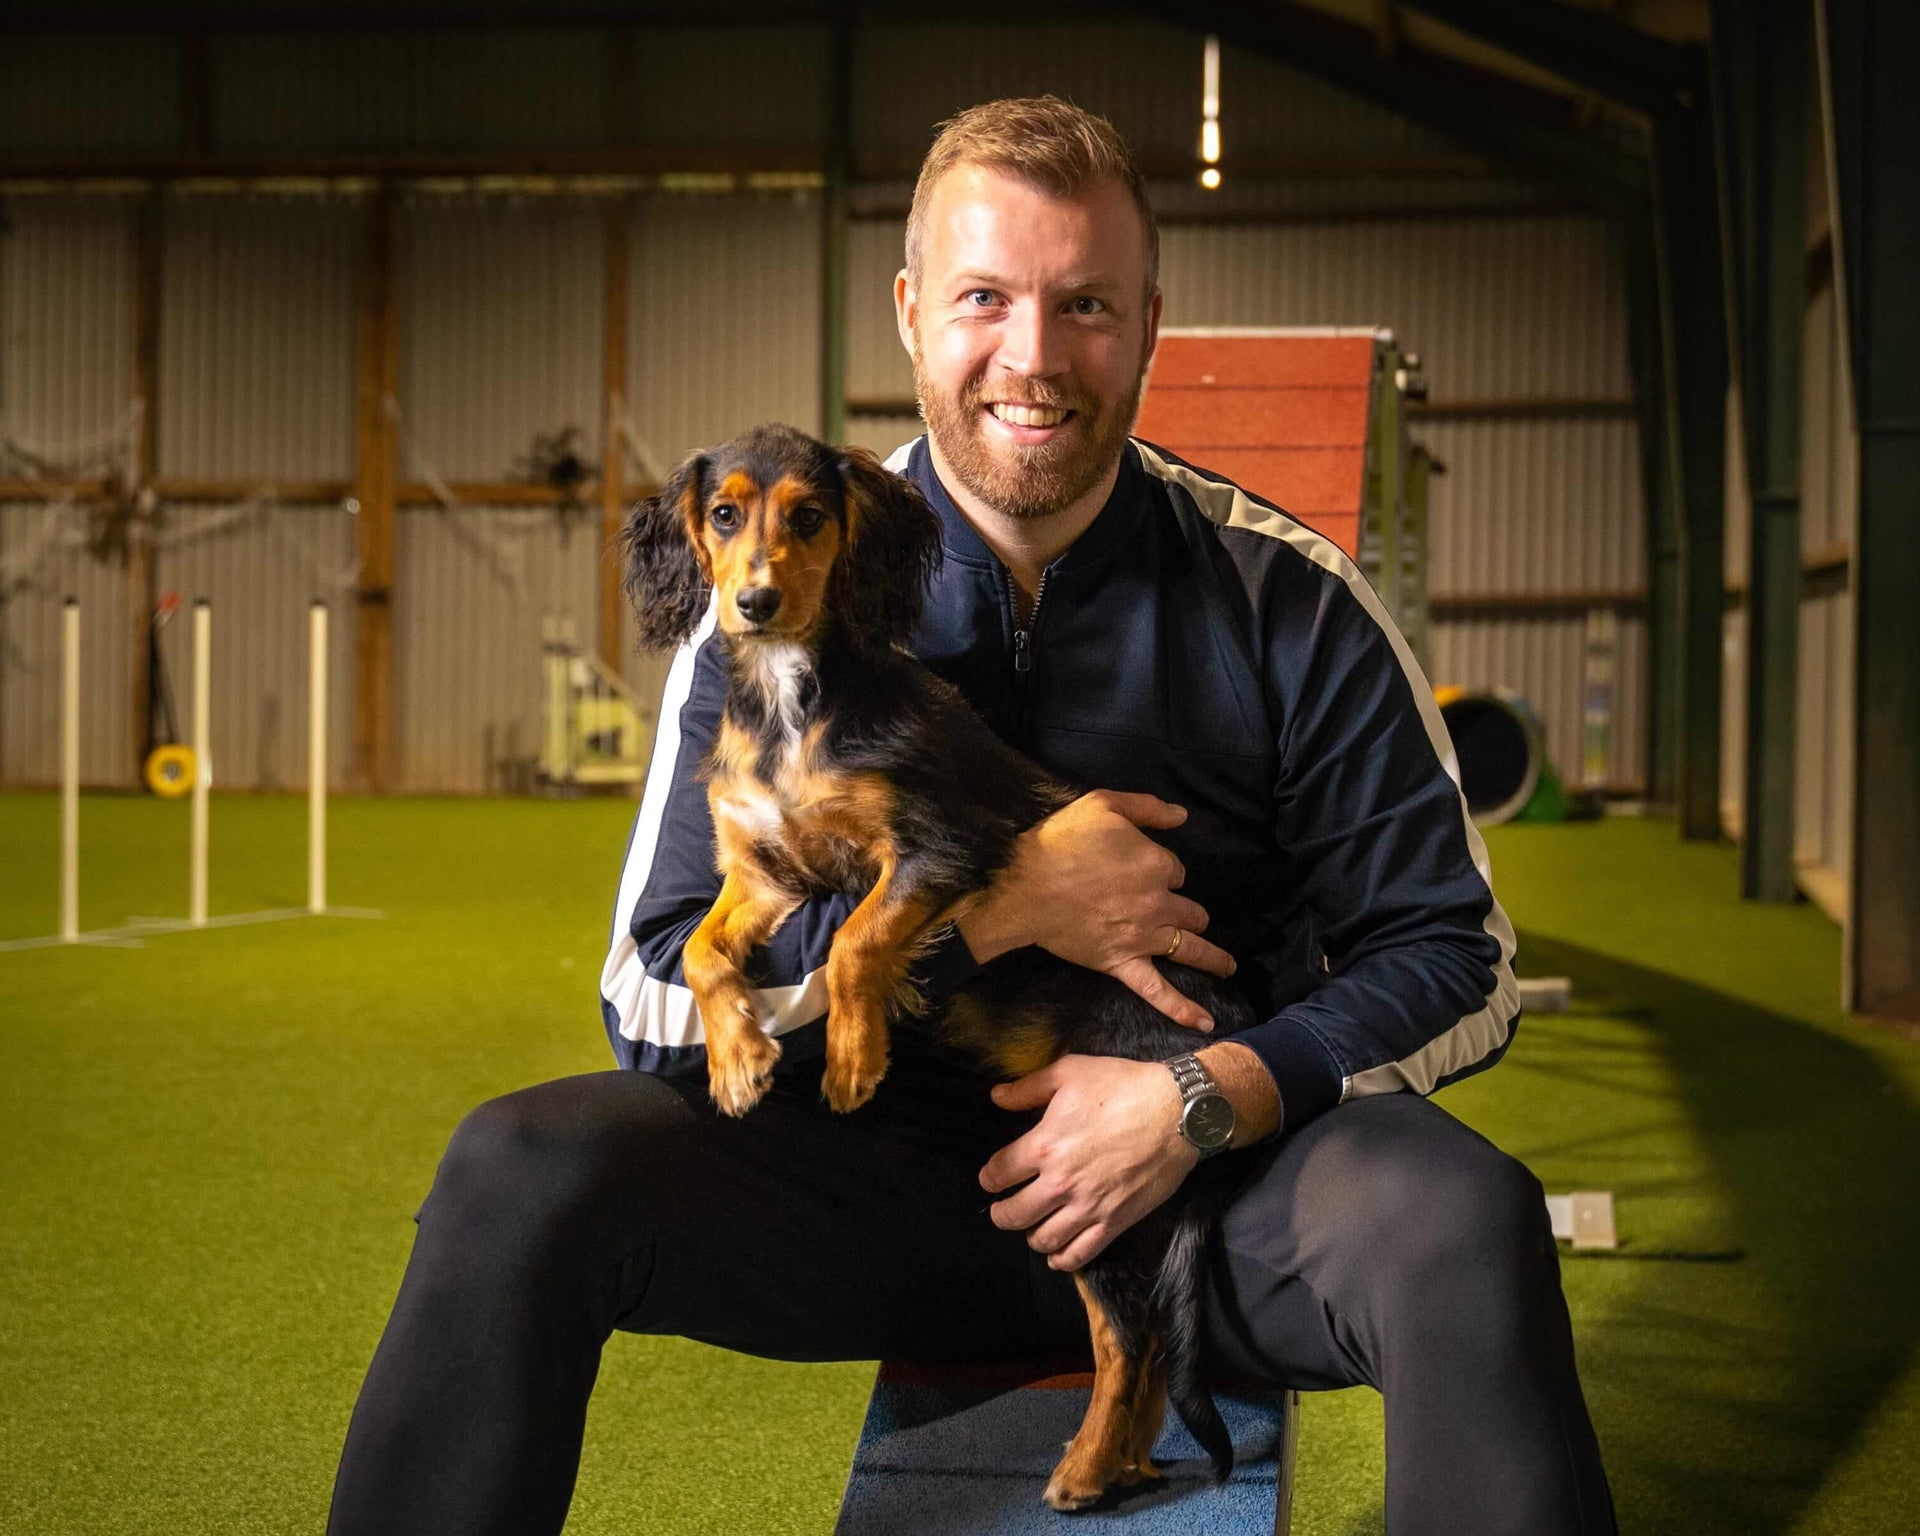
(725,515)
(806,521)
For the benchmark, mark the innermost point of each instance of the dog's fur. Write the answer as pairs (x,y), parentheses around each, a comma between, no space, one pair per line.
(843,764)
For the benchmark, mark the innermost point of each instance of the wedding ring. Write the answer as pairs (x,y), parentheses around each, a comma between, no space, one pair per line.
(1174,948)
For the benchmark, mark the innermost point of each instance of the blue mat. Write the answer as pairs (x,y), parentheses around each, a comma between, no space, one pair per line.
(964,1452)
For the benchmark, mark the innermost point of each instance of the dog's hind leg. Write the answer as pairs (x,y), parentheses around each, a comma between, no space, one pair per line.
(1101,1455)
(1149,1413)
(740,1054)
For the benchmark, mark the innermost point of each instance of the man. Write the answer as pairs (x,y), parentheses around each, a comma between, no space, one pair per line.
(1235,685)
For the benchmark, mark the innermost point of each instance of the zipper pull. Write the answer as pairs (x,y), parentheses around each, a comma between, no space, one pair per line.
(1022,651)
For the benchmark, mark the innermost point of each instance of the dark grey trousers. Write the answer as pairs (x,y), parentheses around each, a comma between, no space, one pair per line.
(1383,1244)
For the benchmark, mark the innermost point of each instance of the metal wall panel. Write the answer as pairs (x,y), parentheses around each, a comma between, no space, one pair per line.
(1535,506)
(47,554)
(724,319)
(1499,308)
(540,87)
(471,590)
(1823,765)
(260,565)
(502,312)
(1543,658)
(90,92)
(257,337)
(66,333)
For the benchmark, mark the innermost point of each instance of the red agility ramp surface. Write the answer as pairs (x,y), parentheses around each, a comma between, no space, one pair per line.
(1282,413)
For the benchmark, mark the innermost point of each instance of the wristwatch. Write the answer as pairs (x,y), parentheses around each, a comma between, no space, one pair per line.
(1206,1117)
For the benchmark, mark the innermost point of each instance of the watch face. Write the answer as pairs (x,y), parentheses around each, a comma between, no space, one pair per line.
(1208,1122)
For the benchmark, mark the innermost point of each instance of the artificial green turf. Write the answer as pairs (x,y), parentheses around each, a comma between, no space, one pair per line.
(213,1147)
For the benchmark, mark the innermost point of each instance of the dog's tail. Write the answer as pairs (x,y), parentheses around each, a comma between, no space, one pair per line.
(1177,1303)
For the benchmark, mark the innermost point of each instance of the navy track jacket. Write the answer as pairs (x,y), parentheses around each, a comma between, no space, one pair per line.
(1197,644)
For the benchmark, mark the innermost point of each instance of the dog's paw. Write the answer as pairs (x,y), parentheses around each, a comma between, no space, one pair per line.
(849,1084)
(1068,1491)
(739,1072)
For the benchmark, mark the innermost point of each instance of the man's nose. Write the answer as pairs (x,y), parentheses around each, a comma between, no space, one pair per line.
(1031,342)
(758,604)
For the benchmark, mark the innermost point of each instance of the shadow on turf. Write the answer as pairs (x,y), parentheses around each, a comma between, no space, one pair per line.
(1813,1144)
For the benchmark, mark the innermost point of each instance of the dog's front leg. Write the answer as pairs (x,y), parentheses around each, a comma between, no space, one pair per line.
(740,1054)
(865,969)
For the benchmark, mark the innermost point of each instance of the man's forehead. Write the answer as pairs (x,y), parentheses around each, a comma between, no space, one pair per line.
(988,224)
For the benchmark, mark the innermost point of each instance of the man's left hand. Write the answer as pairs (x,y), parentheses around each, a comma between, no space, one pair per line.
(1107,1150)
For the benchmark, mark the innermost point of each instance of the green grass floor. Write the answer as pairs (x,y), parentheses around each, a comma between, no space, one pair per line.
(212,1147)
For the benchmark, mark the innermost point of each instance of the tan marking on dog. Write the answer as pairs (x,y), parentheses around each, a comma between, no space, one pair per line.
(1102,1451)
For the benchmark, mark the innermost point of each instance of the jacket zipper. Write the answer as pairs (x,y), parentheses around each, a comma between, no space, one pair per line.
(1023,638)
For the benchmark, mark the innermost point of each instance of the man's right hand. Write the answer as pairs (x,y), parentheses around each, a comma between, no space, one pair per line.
(1088,885)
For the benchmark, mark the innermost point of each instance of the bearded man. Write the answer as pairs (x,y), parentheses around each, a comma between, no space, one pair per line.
(1132,622)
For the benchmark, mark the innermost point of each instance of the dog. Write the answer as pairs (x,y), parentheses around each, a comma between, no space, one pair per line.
(843,764)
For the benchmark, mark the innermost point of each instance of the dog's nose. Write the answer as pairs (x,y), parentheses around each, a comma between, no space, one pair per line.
(758,604)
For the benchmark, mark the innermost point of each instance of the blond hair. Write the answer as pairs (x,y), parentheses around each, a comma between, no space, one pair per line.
(1049,144)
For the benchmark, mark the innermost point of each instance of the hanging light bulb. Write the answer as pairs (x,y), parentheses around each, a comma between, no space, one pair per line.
(1210,114)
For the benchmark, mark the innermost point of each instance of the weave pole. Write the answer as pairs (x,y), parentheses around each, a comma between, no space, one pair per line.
(202,760)
(70,771)
(317,757)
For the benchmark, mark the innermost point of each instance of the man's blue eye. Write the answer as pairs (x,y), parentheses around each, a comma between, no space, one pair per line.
(1086,305)
(985,294)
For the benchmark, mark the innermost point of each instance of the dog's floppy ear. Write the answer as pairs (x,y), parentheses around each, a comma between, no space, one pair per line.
(893,548)
(667,575)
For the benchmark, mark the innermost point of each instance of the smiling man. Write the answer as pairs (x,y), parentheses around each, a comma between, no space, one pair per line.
(1276,791)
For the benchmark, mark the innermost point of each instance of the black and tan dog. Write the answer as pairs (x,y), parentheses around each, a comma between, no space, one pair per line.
(842,764)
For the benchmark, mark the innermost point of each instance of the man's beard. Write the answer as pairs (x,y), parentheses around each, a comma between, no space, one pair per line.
(1014,479)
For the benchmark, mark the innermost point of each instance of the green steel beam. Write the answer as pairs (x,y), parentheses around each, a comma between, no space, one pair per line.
(1660,495)
(1695,336)
(838,168)
(1869,47)
(1501,117)
(1761,49)
(1594,52)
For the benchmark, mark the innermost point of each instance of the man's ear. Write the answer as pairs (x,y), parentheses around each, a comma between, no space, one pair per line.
(667,575)
(906,304)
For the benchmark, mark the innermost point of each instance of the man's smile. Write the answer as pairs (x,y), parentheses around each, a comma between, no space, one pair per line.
(1028,424)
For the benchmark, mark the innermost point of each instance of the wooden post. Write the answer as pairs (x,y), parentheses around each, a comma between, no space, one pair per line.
(619,245)
(143,511)
(375,474)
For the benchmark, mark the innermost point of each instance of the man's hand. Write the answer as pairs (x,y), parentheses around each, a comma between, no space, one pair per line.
(1106,1152)
(1108,1149)
(1088,885)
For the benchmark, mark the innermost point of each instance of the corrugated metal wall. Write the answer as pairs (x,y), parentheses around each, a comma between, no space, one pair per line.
(472,587)
(1829,494)
(501,306)
(501,303)
(66,408)
(725,318)
(257,306)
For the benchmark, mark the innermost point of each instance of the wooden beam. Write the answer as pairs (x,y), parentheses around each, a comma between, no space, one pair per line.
(143,511)
(613,383)
(375,447)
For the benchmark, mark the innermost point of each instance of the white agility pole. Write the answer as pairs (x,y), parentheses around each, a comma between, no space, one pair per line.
(70,771)
(202,759)
(317,757)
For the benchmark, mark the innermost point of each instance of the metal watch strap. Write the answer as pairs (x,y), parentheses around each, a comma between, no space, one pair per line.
(1194,1082)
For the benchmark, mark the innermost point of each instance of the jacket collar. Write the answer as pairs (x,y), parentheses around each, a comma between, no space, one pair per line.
(1115,521)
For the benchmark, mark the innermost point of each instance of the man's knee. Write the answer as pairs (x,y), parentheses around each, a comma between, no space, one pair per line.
(543,1161)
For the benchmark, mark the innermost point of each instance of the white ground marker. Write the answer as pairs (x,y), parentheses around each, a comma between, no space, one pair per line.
(70,771)
(202,760)
(317,757)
